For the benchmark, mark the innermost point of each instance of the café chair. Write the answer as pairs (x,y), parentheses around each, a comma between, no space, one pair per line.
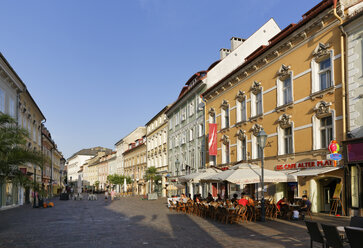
(356,221)
(355,236)
(314,232)
(332,236)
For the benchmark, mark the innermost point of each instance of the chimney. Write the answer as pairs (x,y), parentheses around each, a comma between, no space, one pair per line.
(236,42)
(224,52)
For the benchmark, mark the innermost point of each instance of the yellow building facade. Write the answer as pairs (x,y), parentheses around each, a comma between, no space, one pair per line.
(135,166)
(292,89)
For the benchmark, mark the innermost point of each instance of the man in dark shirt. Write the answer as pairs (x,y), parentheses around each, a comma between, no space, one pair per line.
(306,205)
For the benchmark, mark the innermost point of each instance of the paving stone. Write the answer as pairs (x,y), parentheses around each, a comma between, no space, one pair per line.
(132,222)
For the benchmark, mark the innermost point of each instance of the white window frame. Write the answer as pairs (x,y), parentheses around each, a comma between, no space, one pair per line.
(254,103)
(281,139)
(241,115)
(240,149)
(280,93)
(223,117)
(316,130)
(191,109)
(224,152)
(315,69)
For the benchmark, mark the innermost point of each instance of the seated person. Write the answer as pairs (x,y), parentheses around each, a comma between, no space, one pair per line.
(305,206)
(234,199)
(210,198)
(243,201)
(283,206)
(219,199)
(251,202)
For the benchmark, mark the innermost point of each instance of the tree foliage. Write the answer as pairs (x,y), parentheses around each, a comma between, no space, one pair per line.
(116,179)
(14,152)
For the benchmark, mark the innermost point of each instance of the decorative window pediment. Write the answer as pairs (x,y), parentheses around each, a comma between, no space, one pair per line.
(321,51)
(256,129)
(225,139)
(285,121)
(240,96)
(322,109)
(212,112)
(224,104)
(256,87)
(284,71)
(241,134)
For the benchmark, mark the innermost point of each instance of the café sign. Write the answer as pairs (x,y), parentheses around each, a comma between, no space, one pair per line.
(305,165)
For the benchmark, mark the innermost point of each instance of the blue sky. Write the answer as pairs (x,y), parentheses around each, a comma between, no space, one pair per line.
(99,69)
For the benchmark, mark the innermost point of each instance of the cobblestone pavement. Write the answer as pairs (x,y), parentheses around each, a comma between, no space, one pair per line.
(132,222)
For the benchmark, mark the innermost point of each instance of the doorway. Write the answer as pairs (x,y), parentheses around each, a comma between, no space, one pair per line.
(328,186)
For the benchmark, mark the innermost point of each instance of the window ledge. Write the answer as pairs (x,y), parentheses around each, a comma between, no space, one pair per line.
(240,123)
(224,129)
(284,107)
(254,118)
(321,93)
(284,157)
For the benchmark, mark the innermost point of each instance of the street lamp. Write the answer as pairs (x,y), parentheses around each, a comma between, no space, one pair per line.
(261,141)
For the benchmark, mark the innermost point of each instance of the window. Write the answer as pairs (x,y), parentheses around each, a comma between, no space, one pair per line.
(241,109)
(200,130)
(183,115)
(288,140)
(325,74)
(170,123)
(191,136)
(12,107)
(287,91)
(2,101)
(225,116)
(326,131)
(242,149)
(212,118)
(191,108)
(259,103)
(225,152)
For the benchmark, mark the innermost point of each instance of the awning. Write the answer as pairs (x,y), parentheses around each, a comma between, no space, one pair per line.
(195,177)
(248,174)
(314,172)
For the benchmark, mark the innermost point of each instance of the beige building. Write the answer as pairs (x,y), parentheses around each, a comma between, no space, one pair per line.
(292,89)
(157,150)
(135,165)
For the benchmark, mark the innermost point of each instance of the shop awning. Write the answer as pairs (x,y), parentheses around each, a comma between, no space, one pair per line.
(314,172)
(195,177)
(248,174)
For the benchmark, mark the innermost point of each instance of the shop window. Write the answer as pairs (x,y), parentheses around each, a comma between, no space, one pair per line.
(354,181)
(322,73)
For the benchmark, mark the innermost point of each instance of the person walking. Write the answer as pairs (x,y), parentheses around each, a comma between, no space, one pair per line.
(106,195)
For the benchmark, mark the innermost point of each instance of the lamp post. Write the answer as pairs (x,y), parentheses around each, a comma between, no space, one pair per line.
(261,141)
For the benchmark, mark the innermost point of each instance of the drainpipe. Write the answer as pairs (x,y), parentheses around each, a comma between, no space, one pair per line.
(342,59)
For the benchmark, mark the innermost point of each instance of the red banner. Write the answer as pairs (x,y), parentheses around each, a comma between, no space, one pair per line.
(212,143)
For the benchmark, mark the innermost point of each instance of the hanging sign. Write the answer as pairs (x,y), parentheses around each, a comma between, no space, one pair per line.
(334,149)
(212,143)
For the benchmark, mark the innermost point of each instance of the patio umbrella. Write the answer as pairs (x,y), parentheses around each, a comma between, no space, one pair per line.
(195,177)
(248,174)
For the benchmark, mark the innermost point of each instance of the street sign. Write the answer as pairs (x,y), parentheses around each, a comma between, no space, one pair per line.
(334,156)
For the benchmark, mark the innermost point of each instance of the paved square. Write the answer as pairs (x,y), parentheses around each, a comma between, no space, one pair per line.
(132,222)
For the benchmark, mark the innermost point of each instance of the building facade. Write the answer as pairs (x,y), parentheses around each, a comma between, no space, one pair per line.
(291,88)
(186,140)
(135,165)
(157,151)
(353,145)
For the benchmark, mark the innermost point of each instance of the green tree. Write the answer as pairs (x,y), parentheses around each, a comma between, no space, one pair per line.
(151,175)
(97,184)
(13,152)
